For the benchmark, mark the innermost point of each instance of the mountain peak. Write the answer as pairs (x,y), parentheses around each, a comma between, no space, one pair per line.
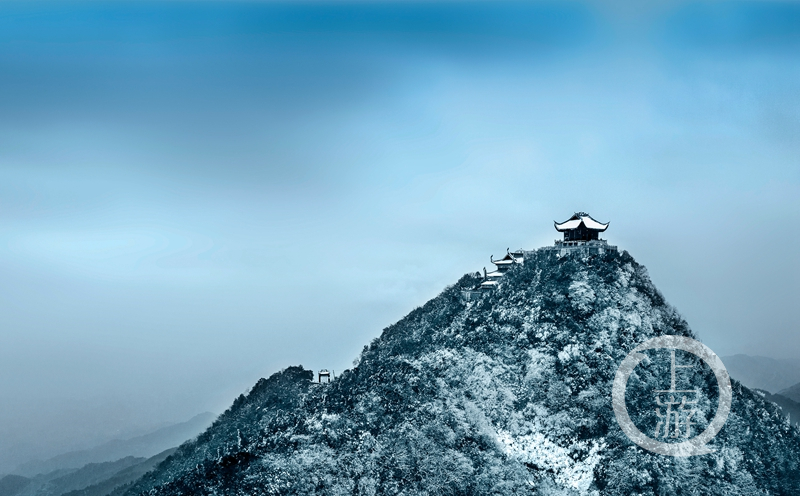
(507,393)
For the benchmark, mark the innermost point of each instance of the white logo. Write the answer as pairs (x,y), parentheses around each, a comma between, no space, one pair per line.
(676,419)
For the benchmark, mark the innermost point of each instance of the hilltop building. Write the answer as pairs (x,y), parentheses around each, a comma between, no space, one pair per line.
(581,227)
(581,233)
(491,279)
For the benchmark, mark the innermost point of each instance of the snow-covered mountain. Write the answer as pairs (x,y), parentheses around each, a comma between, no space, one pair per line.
(509,393)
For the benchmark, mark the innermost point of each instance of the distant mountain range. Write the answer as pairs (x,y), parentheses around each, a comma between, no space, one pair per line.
(777,381)
(142,447)
(769,374)
(94,479)
(108,469)
(792,393)
(120,481)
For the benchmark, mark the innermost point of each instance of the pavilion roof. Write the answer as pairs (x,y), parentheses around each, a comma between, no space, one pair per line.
(508,259)
(578,219)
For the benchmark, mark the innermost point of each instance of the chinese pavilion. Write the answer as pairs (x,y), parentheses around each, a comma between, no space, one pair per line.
(490,279)
(581,227)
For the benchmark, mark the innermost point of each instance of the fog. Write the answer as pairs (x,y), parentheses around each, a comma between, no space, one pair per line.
(196,195)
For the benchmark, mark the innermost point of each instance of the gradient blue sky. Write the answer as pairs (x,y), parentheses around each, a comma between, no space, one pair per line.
(195,194)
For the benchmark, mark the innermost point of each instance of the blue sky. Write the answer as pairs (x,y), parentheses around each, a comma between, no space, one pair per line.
(196,194)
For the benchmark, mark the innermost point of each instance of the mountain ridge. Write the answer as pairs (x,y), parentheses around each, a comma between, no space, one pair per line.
(792,392)
(143,446)
(759,372)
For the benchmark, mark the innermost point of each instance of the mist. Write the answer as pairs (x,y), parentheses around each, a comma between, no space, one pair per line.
(194,195)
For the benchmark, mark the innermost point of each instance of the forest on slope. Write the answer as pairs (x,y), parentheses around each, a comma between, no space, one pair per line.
(509,394)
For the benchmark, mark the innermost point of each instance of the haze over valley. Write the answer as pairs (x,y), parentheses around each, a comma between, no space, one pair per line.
(197,195)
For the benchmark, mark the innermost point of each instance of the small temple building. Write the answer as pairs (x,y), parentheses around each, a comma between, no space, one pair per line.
(581,227)
(581,234)
(490,279)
